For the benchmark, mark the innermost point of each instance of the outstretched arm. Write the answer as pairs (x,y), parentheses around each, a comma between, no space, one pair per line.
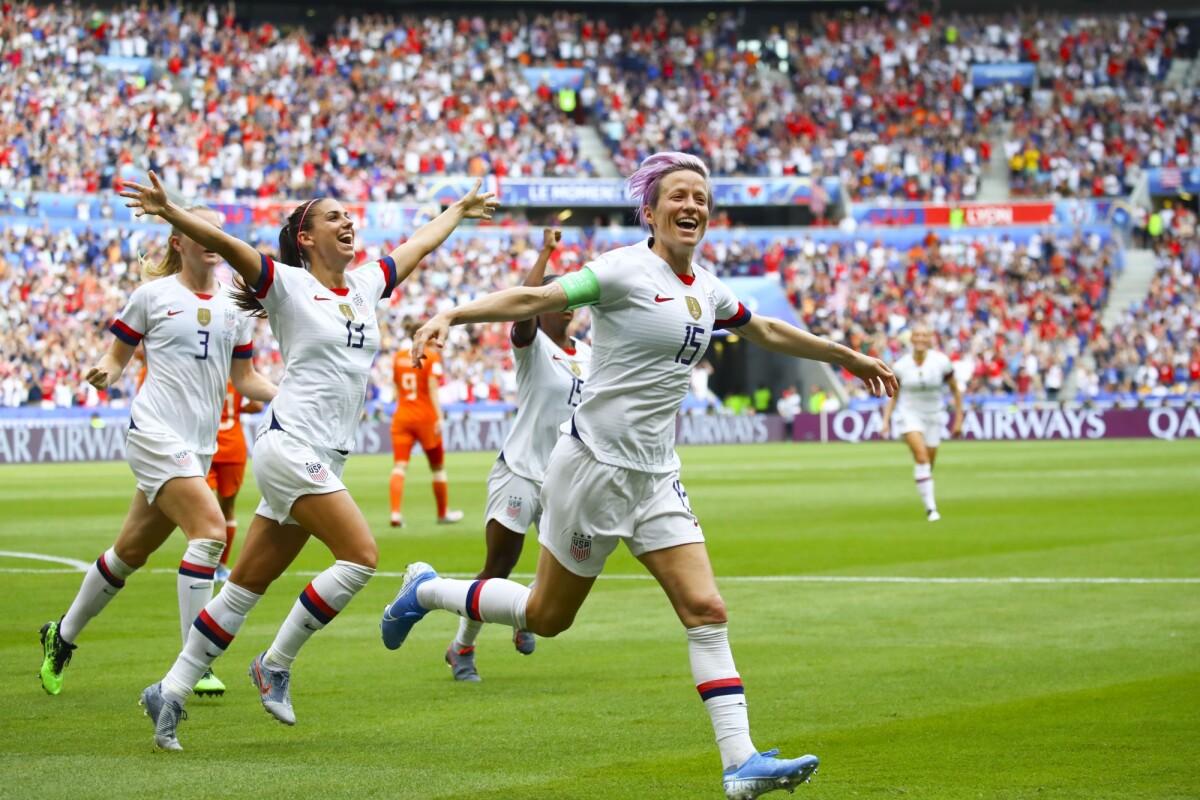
(471,206)
(507,305)
(524,330)
(780,337)
(152,199)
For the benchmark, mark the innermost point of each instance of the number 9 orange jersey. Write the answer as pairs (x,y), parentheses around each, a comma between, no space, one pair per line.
(414,401)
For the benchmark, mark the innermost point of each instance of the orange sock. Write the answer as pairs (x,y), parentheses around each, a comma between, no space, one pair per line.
(441,489)
(396,489)
(230,532)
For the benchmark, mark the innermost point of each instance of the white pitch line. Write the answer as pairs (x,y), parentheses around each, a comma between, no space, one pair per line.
(81,566)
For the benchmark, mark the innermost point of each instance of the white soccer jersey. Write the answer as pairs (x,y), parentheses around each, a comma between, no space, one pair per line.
(328,339)
(550,384)
(921,385)
(650,328)
(189,340)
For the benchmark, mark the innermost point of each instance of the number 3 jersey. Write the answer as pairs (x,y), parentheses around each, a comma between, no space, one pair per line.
(328,339)
(650,328)
(550,383)
(189,340)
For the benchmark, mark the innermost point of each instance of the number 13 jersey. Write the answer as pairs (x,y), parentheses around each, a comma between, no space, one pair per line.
(328,339)
(651,327)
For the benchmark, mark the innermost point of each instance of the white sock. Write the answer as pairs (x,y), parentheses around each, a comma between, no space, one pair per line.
(923,475)
(318,604)
(101,583)
(496,600)
(720,688)
(194,585)
(213,630)
(468,631)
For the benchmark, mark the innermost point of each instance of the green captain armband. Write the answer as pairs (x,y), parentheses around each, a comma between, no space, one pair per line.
(581,287)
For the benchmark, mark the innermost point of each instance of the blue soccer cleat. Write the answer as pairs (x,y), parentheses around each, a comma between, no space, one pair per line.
(405,611)
(764,773)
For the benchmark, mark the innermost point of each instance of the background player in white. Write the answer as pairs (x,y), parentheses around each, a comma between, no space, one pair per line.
(616,477)
(918,405)
(324,317)
(195,340)
(551,370)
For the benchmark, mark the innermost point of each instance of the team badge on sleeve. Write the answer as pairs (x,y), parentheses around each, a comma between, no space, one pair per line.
(203,316)
(317,471)
(581,547)
(514,507)
(183,458)
(693,306)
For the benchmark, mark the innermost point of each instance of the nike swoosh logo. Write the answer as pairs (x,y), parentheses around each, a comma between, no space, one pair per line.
(202,585)
(318,297)
(311,628)
(173,313)
(557,358)
(661,299)
(212,655)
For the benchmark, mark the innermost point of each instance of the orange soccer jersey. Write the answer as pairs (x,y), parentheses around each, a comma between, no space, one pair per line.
(231,441)
(414,404)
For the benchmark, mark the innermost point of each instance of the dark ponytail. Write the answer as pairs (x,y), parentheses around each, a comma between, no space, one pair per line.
(290,253)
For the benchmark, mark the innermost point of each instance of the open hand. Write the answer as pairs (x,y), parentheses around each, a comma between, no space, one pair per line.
(875,374)
(144,200)
(432,333)
(476,205)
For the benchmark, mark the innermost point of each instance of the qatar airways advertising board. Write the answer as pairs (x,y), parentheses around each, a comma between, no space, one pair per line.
(42,441)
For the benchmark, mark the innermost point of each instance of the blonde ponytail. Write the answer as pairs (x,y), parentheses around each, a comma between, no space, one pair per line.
(172,262)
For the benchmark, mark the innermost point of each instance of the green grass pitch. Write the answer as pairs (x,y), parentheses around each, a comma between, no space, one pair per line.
(925,688)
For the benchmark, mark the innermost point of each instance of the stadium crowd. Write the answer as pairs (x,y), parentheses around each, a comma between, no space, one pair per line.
(1015,318)
(882,100)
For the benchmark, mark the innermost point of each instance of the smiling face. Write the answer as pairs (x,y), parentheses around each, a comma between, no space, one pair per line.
(922,339)
(679,216)
(194,256)
(328,237)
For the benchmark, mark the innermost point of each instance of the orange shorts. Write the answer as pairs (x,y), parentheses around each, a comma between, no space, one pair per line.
(407,433)
(226,478)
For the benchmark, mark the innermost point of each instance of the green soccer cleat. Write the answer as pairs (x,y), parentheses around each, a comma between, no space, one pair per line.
(56,656)
(209,685)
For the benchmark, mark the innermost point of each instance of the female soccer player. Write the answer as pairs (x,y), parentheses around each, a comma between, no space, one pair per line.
(418,418)
(616,476)
(918,406)
(324,317)
(229,467)
(551,370)
(195,340)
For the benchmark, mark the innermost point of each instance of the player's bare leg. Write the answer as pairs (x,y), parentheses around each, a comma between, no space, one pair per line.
(685,574)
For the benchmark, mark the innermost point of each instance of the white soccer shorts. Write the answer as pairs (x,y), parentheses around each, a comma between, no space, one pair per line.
(590,506)
(513,500)
(286,469)
(154,460)
(930,425)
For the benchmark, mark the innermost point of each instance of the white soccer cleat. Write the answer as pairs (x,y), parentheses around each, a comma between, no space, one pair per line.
(450,518)
(932,515)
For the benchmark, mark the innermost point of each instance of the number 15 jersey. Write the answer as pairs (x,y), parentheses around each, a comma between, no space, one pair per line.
(651,328)
(328,339)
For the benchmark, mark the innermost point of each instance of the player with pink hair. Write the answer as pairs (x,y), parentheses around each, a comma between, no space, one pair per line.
(613,475)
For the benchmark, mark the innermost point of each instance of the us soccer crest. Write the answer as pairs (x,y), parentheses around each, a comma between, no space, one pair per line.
(693,306)
(346,310)
(183,458)
(230,319)
(514,507)
(203,316)
(359,301)
(316,471)
(581,547)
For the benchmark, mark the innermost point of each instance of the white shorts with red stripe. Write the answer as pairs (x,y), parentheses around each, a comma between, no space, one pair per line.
(590,507)
(156,459)
(287,469)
